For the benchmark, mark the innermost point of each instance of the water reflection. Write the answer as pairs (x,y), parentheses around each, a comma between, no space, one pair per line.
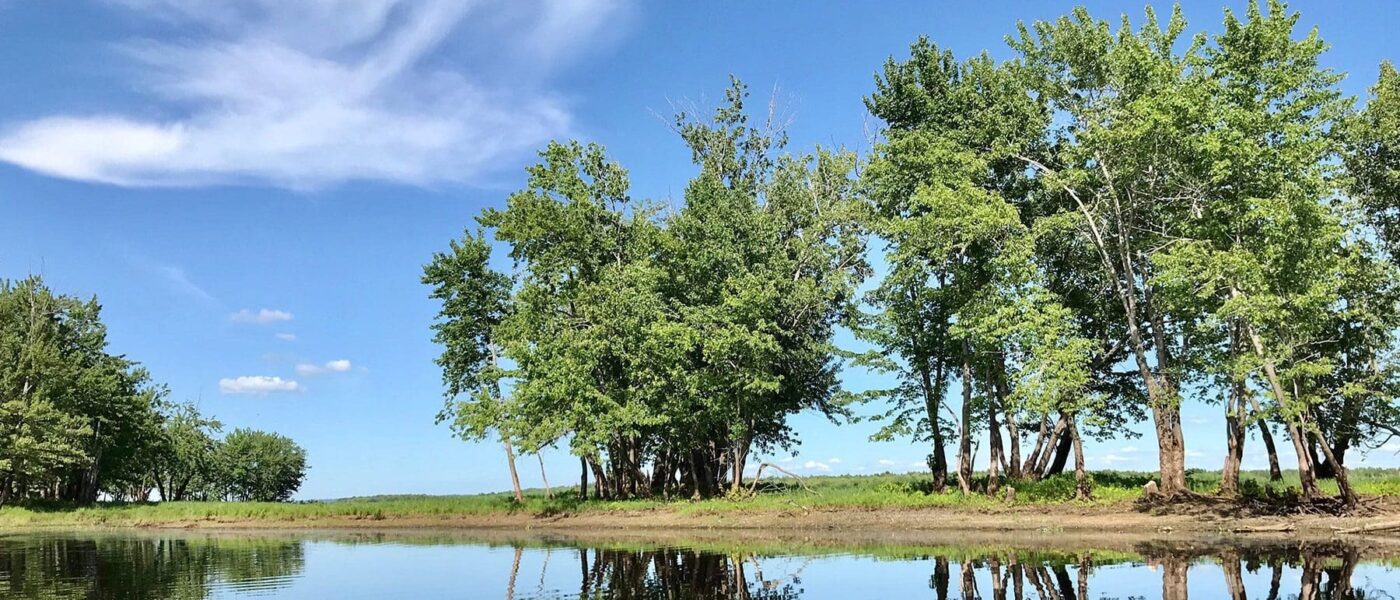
(115,567)
(1319,574)
(377,565)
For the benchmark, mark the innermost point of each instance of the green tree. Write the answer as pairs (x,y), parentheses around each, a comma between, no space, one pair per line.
(763,262)
(186,462)
(475,299)
(259,466)
(1123,167)
(965,293)
(1372,158)
(38,440)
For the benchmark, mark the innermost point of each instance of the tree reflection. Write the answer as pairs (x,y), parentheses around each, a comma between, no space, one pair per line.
(679,574)
(120,568)
(201,567)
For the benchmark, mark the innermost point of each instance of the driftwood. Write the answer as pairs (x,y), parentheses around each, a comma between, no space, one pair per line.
(1286,527)
(753,487)
(1387,526)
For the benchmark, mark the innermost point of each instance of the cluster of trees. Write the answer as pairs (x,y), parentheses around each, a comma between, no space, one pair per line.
(1079,238)
(665,346)
(1119,219)
(78,423)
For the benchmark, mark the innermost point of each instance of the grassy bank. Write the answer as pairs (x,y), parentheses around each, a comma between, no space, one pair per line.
(1113,490)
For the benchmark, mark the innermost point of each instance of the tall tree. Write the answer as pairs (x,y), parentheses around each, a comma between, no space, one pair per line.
(474,302)
(1123,166)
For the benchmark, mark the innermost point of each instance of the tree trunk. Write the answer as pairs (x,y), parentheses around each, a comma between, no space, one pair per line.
(741,457)
(1064,583)
(582,479)
(933,402)
(1276,579)
(1062,452)
(600,480)
(548,492)
(1013,440)
(1086,564)
(514,476)
(993,437)
(1234,579)
(1234,441)
(1171,448)
(998,588)
(1051,451)
(1306,476)
(1344,435)
(940,577)
(1174,569)
(968,586)
(965,427)
(1344,489)
(1267,435)
(1081,477)
(1013,433)
(1028,469)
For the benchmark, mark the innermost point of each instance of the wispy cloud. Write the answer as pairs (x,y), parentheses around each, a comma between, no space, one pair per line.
(308,93)
(813,465)
(257,384)
(180,282)
(173,278)
(336,366)
(261,316)
(286,337)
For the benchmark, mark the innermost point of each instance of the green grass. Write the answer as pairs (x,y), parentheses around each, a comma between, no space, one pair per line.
(886,491)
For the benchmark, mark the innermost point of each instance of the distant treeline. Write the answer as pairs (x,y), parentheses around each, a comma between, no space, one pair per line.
(78,423)
(1114,220)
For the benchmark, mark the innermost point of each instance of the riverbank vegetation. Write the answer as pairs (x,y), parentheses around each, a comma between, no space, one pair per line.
(1115,493)
(1115,220)
(79,424)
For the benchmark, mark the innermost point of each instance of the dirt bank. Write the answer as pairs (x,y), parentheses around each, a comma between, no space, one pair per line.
(1049,520)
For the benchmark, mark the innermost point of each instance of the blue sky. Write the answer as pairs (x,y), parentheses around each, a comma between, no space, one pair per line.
(251,188)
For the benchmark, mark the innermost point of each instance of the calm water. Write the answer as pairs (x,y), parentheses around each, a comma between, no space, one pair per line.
(428,566)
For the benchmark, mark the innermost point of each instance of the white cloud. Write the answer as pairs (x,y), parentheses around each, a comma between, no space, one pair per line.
(286,337)
(257,384)
(308,93)
(1391,446)
(309,369)
(262,316)
(885,462)
(834,461)
(813,465)
(1128,449)
(1111,458)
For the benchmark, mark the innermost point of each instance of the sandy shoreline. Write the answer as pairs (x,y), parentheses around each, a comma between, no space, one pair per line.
(842,522)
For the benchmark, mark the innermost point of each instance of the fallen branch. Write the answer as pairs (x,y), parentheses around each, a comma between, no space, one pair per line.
(753,487)
(1387,526)
(1286,527)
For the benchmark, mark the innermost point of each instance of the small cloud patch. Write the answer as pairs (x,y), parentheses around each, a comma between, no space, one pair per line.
(257,384)
(334,366)
(261,317)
